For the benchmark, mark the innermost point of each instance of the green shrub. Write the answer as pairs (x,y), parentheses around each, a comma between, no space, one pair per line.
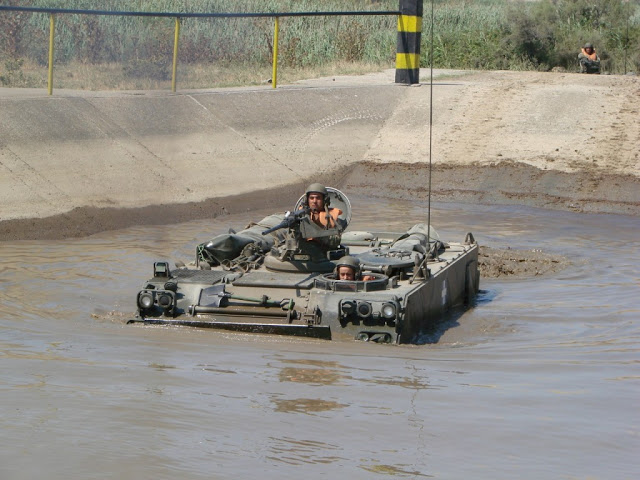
(550,33)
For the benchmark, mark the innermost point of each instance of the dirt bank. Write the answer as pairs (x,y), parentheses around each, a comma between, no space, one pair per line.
(503,183)
(506,182)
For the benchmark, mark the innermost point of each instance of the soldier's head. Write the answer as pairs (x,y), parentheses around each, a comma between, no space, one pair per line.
(317,197)
(348,268)
(588,47)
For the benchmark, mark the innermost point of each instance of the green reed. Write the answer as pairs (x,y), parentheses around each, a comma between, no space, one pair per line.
(478,34)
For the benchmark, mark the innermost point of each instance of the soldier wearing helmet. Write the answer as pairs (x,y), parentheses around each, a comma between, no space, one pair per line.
(348,268)
(317,199)
(589,60)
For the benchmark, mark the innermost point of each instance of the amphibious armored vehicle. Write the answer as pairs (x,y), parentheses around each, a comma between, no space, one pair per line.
(279,276)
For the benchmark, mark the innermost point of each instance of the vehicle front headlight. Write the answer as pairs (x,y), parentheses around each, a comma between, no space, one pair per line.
(165,300)
(148,300)
(388,311)
(145,300)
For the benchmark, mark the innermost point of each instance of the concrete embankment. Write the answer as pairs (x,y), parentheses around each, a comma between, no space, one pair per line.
(77,163)
(130,151)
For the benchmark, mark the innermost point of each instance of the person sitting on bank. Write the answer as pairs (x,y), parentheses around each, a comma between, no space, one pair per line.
(589,60)
(348,268)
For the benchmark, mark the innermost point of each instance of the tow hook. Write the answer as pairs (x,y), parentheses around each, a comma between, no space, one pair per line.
(377,337)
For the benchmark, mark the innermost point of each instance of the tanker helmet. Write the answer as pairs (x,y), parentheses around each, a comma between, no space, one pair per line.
(318,188)
(588,45)
(351,262)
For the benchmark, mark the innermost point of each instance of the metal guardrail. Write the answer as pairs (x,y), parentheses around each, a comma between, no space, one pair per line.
(178,16)
(198,15)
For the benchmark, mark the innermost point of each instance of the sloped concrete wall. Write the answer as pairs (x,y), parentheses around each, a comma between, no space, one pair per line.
(90,149)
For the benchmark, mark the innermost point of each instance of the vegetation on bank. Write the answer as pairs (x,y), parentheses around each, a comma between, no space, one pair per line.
(100,52)
(534,35)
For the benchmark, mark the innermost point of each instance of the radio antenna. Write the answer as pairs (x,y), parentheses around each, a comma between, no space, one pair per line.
(430,130)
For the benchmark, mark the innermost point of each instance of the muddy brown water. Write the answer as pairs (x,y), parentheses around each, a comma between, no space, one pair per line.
(540,379)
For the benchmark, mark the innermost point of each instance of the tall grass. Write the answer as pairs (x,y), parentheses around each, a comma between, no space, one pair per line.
(475,34)
(106,38)
(532,35)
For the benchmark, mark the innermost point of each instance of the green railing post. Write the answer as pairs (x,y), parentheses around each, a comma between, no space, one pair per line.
(174,70)
(274,75)
(52,30)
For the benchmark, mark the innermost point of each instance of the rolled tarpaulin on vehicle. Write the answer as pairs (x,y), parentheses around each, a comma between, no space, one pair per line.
(408,46)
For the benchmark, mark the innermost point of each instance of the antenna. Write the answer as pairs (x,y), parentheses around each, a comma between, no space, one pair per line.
(425,260)
(430,128)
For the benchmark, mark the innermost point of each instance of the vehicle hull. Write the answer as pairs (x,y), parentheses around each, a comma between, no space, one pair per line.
(316,305)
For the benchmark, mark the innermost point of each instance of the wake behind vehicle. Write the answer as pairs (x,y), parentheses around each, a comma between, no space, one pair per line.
(279,276)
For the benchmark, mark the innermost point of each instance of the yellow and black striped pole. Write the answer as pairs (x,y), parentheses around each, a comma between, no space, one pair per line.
(408,48)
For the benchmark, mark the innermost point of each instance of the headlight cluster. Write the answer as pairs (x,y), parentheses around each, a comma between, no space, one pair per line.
(151,300)
(370,313)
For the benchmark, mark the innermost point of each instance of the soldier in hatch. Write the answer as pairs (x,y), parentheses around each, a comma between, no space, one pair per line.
(348,268)
(323,215)
(320,213)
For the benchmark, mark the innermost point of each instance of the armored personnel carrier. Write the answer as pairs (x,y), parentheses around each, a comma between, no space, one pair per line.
(280,276)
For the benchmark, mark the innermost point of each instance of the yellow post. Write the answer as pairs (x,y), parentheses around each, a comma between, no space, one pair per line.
(52,28)
(175,55)
(274,76)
